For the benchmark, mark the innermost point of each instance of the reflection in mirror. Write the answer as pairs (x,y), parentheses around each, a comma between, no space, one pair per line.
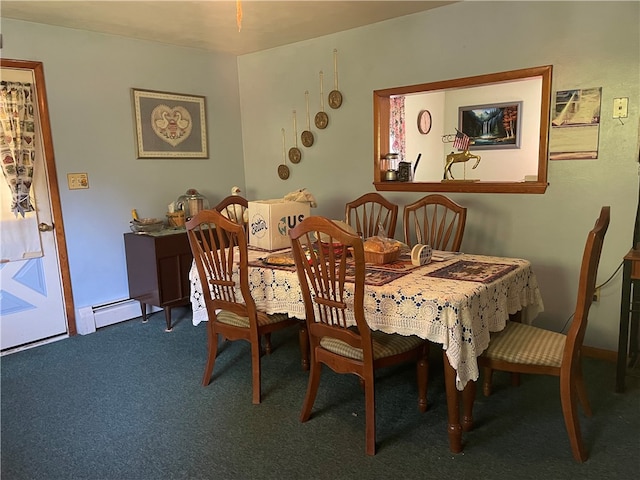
(503,116)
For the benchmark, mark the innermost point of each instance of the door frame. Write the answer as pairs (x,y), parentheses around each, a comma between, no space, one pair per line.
(52,182)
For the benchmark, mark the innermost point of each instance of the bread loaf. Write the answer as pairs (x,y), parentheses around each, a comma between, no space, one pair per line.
(379,245)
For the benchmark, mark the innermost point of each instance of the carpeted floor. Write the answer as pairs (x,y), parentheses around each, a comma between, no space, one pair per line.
(126,403)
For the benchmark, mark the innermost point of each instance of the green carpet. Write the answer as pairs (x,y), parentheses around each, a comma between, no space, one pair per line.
(126,403)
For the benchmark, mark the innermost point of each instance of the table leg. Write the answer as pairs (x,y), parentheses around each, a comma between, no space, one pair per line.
(635,323)
(623,336)
(453,406)
(468,397)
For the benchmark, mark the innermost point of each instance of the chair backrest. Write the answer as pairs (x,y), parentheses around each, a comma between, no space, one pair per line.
(435,220)
(586,287)
(233,207)
(332,282)
(368,211)
(219,248)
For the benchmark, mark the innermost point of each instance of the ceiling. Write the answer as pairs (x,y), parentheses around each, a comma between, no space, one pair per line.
(211,25)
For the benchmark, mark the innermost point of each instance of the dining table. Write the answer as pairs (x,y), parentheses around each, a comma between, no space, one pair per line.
(456,300)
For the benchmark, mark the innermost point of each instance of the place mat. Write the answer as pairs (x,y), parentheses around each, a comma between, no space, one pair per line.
(472,271)
(402,265)
(372,276)
(264,262)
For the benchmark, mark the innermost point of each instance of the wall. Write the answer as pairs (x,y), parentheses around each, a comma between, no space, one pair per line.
(89,76)
(88,79)
(589,44)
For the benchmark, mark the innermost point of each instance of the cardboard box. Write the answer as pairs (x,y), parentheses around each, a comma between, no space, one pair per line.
(271,220)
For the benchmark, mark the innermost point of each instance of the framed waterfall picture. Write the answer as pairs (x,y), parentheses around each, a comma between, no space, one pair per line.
(169,125)
(492,126)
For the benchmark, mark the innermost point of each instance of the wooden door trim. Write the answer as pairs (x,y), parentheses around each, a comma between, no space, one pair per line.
(52,182)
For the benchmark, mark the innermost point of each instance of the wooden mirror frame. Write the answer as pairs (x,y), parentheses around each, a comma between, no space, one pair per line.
(381,113)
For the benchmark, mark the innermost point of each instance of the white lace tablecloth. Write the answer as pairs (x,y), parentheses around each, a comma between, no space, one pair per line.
(457,314)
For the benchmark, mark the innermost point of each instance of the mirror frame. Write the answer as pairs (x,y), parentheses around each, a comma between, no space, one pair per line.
(381,113)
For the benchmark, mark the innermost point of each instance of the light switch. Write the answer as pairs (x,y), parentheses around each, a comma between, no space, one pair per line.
(621,107)
(77,180)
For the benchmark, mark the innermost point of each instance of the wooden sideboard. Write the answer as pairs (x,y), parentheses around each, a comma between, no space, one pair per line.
(158,270)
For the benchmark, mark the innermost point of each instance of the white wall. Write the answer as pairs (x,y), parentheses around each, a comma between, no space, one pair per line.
(88,78)
(589,44)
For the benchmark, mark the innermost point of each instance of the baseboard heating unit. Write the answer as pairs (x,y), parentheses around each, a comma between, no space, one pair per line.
(98,316)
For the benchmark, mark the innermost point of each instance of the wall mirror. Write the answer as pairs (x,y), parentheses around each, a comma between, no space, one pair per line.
(505,115)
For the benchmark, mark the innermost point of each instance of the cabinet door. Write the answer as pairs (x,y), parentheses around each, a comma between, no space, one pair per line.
(174,261)
(170,277)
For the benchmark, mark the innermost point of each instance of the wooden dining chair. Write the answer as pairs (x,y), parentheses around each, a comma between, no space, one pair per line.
(521,348)
(219,248)
(369,211)
(339,335)
(235,208)
(434,220)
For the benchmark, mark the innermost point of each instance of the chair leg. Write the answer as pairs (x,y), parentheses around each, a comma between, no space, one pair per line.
(568,397)
(370,415)
(267,343)
(303,336)
(487,381)
(583,398)
(312,390)
(255,370)
(212,352)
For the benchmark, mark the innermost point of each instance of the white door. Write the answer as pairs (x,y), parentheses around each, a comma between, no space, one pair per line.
(31,295)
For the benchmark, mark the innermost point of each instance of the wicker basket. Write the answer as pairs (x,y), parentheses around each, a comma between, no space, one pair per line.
(379,258)
(176,219)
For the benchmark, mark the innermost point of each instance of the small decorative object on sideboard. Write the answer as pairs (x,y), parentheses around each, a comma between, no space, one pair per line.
(145,225)
(404,172)
(191,203)
(389,165)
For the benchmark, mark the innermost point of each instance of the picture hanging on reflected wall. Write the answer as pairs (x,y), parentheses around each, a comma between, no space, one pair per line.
(169,125)
(492,126)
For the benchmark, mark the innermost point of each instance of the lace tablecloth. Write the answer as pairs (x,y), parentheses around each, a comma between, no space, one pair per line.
(458,314)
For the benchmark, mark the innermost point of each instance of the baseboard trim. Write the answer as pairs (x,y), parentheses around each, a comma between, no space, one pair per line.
(600,354)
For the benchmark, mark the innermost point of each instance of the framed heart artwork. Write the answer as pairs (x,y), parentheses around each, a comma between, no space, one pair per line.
(169,125)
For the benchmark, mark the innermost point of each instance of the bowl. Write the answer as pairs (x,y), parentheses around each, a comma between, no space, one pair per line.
(146,225)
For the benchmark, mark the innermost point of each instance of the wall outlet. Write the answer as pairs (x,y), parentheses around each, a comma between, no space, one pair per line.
(596,294)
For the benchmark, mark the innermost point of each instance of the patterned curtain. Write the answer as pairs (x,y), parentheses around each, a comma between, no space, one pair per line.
(397,128)
(17,142)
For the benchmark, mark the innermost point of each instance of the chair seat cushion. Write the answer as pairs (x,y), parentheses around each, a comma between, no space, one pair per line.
(384,345)
(524,344)
(230,318)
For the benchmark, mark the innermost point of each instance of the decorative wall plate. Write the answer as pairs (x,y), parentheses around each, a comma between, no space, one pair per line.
(283,171)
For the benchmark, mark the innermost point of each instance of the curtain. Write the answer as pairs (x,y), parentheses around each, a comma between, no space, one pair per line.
(396,127)
(17,142)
